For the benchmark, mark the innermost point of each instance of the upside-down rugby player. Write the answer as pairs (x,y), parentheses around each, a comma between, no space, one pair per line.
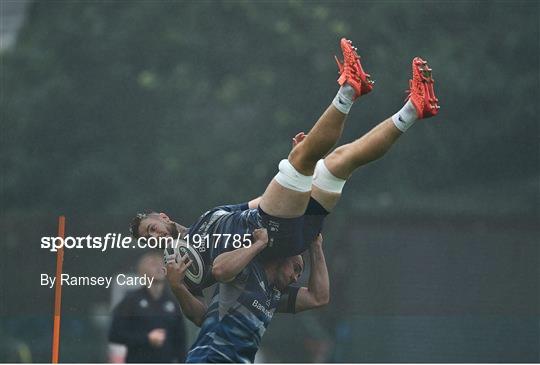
(307,187)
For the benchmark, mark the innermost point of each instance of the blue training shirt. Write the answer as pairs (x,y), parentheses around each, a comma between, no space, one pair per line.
(229,227)
(215,232)
(238,315)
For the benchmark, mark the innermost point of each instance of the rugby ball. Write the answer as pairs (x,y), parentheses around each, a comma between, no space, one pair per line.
(196,272)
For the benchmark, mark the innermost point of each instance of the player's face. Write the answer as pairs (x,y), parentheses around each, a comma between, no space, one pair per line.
(157,225)
(289,271)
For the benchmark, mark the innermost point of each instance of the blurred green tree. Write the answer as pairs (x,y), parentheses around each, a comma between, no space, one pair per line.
(121,106)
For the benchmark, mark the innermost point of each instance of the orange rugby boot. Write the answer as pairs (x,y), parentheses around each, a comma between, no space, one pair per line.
(421,91)
(351,71)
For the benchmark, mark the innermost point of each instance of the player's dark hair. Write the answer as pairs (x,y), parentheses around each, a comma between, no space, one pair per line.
(136,221)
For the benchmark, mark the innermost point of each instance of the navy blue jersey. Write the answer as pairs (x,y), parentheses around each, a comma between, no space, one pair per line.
(237,317)
(214,233)
(229,227)
(221,224)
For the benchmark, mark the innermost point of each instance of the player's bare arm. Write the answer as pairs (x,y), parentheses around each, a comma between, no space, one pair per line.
(317,293)
(192,307)
(229,264)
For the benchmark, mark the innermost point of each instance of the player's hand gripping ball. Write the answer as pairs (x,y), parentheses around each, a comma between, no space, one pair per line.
(196,272)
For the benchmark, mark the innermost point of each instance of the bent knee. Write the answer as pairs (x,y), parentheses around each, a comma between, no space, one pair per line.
(301,162)
(290,178)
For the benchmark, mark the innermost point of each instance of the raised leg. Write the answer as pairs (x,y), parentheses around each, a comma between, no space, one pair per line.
(372,146)
(283,202)
(318,142)
(341,163)
(287,195)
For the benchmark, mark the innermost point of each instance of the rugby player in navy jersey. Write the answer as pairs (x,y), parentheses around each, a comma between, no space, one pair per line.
(248,293)
(308,184)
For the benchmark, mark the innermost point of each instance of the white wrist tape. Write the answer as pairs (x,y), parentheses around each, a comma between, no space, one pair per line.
(325,180)
(289,178)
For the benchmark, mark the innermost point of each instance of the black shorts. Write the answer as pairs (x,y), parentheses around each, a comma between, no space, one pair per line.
(292,236)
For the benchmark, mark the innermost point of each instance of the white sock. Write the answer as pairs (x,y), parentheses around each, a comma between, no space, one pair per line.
(405,117)
(344,99)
